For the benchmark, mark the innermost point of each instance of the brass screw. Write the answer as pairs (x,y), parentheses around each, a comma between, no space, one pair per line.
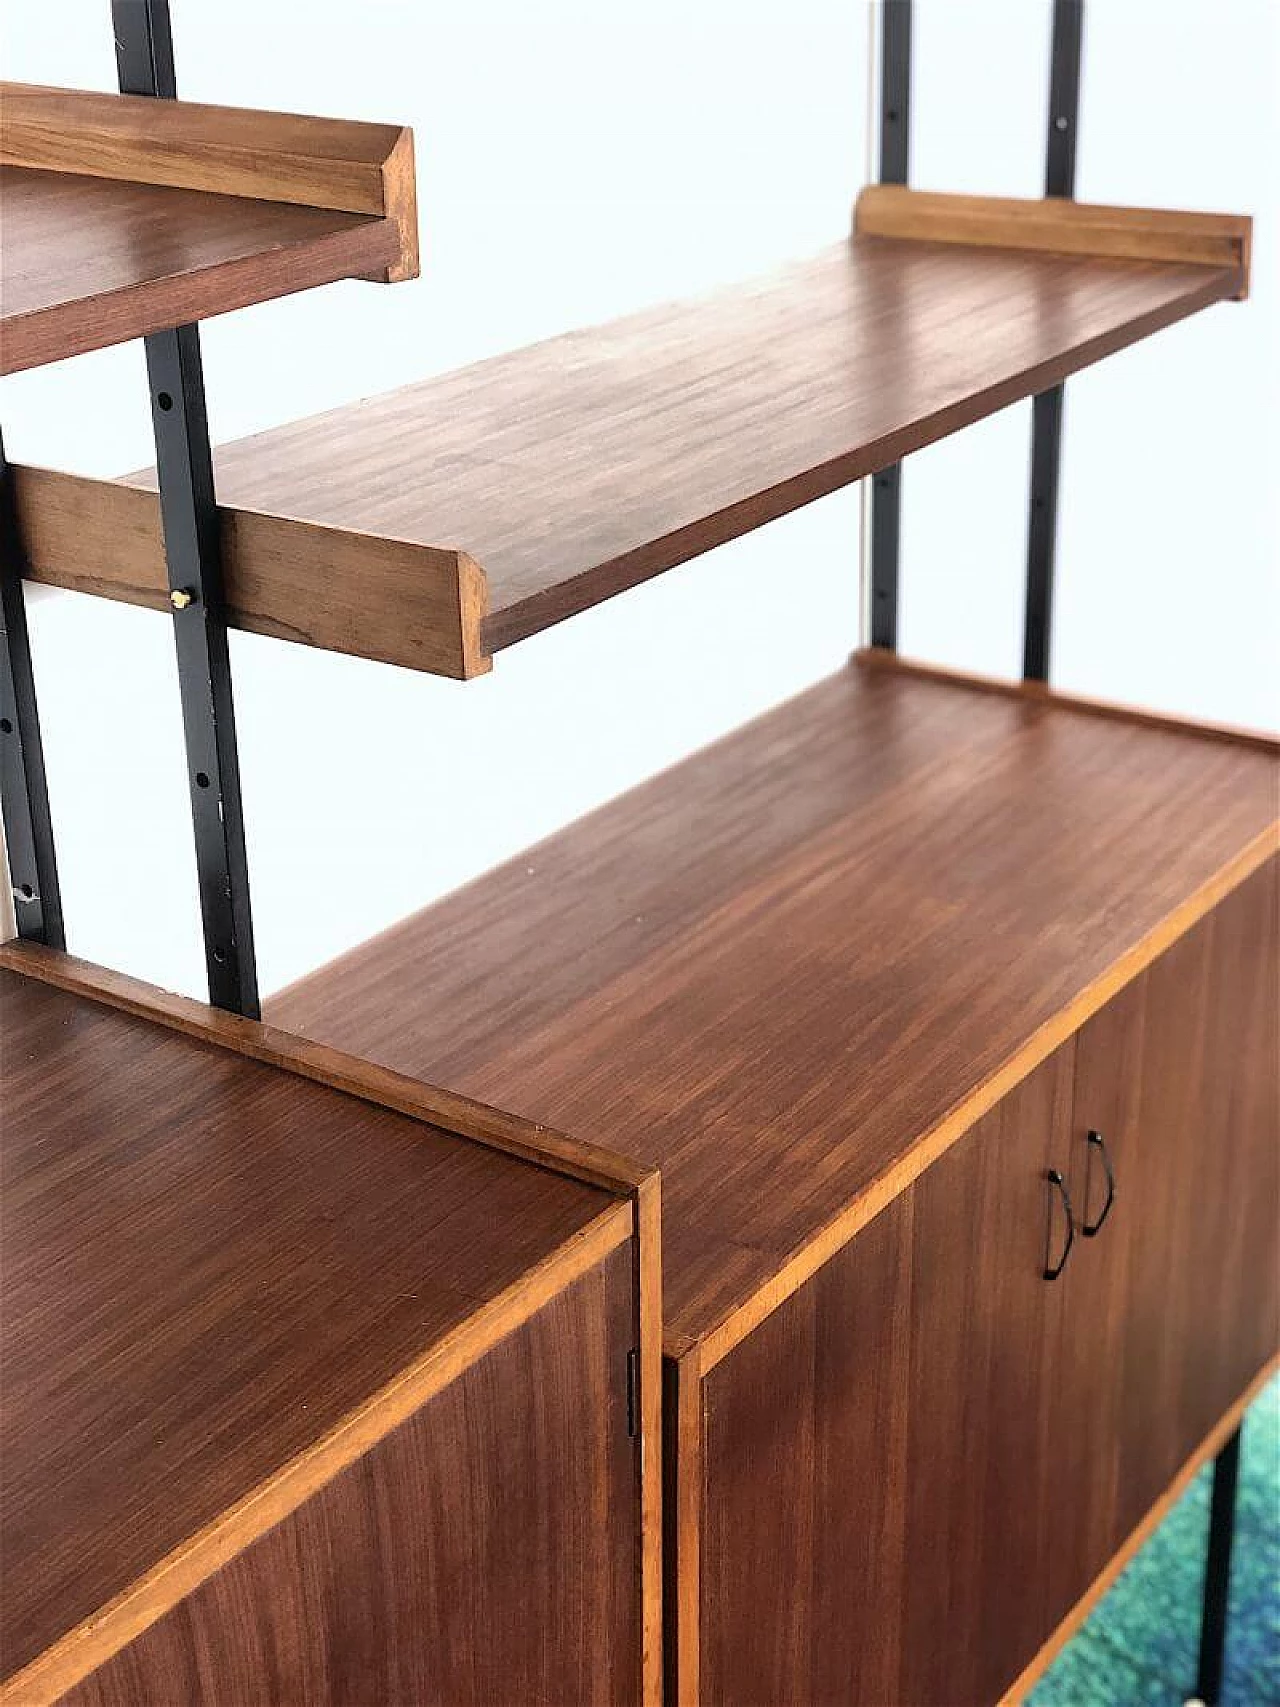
(180,598)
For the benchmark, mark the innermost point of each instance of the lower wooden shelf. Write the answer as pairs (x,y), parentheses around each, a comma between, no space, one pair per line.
(305,1399)
(857,979)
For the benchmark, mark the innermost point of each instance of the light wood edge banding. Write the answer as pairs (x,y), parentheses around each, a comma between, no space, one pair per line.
(684,1424)
(419,606)
(805,1261)
(172,1578)
(1209,1448)
(1057,225)
(447,1110)
(647,1209)
(342,165)
(1040,693)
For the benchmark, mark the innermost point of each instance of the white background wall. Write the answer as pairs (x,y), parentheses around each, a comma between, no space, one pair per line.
(578,159)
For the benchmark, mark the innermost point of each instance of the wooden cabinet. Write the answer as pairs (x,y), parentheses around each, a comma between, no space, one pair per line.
(923,1459)
(855,979)
(483,1551)
(306,1399)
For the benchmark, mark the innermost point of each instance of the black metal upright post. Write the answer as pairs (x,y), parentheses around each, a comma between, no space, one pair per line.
(24,793)
(895,155)
(1217,1574)
(188,511)
(1046,416)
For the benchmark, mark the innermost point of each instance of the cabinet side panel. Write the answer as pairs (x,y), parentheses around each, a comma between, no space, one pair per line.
(483,1552)
(805,1431)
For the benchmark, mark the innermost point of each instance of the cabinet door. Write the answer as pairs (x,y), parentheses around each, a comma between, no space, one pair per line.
(803,1488)
(1172,1307)
(1091,1413)
(1231,1255)
(983,1496)
(1201,1305)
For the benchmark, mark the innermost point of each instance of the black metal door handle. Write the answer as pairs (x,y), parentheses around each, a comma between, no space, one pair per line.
(1051,1269)
(1099,1144)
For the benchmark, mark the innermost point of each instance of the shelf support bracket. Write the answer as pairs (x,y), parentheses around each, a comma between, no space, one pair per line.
(189,518)
(24,793)
(1046,408)
(895,154)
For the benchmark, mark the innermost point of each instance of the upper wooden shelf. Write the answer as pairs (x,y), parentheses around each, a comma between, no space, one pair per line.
(222,1282)
(124,216)
(438,524)
(792,969)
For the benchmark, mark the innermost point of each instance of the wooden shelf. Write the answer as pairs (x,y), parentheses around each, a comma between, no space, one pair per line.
(791,970)
(223,1283)
(438,524)
(124,216)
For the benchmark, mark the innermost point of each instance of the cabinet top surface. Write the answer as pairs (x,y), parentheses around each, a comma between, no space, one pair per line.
(776,968)
(209,1267)
(90,261)
(581,466)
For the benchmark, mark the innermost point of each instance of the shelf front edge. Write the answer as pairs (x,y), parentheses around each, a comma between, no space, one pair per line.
(392,601)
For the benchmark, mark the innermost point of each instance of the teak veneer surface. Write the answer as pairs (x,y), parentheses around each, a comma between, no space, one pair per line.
(90,261)
(792,969)
(209,1267)
(579,467)
(341,164)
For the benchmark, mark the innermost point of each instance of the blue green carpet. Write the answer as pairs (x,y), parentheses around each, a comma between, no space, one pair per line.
(1139,1648)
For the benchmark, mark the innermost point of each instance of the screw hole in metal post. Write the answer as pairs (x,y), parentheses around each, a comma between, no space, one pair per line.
(164,401)
(202,780)
(6,728)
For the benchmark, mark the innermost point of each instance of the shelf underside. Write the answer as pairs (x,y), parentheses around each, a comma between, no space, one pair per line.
(775,970)
(577,468)
(209,1265)
(92,261)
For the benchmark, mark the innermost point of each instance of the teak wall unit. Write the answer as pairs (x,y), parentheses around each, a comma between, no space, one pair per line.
(945,1009)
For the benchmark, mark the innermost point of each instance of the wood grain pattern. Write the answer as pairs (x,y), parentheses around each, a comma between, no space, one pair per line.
(581,467)
(223,1284)
(88,262)
(339,164)
(981,1494)
(1207,1449)
(792,970)
(804,1496)
(1090,1418)
(324,1065)
(1207,1187)
(383,599)
(1059,226)
(481,1554)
